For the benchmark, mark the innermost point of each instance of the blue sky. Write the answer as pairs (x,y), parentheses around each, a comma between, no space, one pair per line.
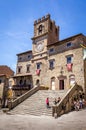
(17,17)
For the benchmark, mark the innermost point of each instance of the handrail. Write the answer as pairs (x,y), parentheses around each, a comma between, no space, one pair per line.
(57,109)
(14,103)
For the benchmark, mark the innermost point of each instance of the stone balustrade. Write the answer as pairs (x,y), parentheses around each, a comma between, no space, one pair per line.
(14,103)
(64,105)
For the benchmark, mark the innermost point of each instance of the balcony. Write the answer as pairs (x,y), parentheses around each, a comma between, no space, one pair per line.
(21,87)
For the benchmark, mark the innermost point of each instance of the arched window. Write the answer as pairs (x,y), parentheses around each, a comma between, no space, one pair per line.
(71,79)
(40,29)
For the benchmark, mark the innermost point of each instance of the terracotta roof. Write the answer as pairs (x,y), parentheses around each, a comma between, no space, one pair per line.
(5,70)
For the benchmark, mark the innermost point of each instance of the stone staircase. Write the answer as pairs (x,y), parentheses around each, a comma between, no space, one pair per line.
(35,104)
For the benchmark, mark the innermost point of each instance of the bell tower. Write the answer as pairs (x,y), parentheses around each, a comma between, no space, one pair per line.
(45,33)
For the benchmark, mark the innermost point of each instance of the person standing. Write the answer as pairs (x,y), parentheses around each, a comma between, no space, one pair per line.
(47,102)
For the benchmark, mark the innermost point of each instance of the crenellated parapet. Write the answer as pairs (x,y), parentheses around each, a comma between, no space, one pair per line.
(42,19)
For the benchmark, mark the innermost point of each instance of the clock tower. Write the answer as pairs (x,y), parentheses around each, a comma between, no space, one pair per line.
(45,33)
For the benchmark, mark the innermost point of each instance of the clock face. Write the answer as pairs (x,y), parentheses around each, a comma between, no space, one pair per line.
(39,47)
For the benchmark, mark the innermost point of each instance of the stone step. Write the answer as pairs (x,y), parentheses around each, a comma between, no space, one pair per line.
(35,105)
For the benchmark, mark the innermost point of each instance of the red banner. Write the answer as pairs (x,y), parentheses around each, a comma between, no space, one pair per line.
(69,66)
(38,71)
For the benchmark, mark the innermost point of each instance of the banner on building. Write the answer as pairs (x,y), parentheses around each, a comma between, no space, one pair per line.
(38,71)
(69,66)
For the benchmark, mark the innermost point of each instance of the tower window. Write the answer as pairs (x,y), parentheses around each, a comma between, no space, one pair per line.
(51,25)
(40,29)
(69,59)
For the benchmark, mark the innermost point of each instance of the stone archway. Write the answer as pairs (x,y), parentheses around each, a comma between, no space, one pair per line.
(37,82)
(53,83)
(71,79)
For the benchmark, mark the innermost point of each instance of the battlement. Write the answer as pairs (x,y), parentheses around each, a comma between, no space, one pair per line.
(42,19)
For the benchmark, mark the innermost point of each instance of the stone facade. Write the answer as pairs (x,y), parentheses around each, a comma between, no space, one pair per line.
(53,63)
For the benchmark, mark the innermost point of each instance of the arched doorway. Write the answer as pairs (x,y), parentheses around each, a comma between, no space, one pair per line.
(53,83)
(37,82)
(61,84)
(71,79)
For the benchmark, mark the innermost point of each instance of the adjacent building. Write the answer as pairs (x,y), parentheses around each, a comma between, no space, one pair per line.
(5,74)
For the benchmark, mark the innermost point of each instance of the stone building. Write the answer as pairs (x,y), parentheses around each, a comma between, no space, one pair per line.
(53,63)
(5,74)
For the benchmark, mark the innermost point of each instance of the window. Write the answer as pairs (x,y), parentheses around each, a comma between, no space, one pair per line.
(69,44)
(51,64)
(28,68)
(38,65)
(51,25)
(40,29)
(51,50)
(0,81)
(29,56)
(19,58)
(69,59)
(19,69)
(56,31)
(69,62)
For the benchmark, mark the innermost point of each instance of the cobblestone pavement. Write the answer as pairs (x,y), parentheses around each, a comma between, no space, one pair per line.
(72,121)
